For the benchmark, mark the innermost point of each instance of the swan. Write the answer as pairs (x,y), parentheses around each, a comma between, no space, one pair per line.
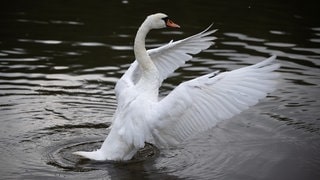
(193,106)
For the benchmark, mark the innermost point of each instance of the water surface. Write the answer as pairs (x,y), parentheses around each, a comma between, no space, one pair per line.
(60,60)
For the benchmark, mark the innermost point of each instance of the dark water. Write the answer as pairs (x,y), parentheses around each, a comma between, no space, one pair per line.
(59,61)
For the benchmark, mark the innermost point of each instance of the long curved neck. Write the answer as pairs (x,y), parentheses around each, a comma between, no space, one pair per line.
(140,51)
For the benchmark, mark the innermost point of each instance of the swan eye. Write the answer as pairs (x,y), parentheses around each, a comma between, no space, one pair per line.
(165,19)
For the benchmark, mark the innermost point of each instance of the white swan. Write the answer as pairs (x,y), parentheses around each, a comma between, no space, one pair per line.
(193,106)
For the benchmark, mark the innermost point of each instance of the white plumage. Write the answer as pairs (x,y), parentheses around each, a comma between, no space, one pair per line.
(193,106)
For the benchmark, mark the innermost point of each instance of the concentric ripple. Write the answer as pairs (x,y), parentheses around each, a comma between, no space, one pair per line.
(60,155)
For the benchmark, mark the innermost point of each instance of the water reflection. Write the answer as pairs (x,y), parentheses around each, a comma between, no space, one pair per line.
(59,63)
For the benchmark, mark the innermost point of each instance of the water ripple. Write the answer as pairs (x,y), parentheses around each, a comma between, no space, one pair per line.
(53,42)
(244,37)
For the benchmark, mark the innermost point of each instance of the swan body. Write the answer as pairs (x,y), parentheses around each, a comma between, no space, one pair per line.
(193,106)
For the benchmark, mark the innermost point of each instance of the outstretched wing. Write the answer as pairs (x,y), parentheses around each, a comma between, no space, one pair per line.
(169,57)
(198,104)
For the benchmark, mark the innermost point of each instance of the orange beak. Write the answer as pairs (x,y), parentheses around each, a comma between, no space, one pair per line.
(170,23)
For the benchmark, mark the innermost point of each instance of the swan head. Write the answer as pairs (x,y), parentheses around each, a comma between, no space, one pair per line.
(160,20)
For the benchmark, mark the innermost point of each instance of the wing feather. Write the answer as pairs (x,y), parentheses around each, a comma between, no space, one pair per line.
(201,103)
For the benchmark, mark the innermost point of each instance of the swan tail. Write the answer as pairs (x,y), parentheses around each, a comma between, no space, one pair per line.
(93,155)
